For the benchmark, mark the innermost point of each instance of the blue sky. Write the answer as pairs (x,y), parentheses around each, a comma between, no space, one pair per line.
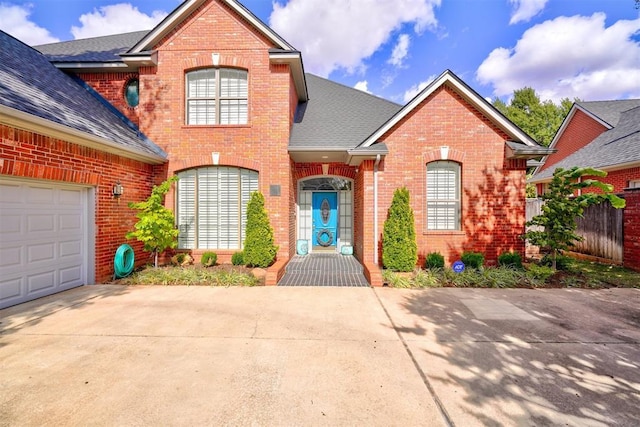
(588,49)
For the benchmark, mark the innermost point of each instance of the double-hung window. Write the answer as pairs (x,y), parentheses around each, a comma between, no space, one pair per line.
(443,196)
(217,96)
(212,206)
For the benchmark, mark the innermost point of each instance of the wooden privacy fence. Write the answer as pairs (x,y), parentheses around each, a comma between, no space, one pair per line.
(601,227)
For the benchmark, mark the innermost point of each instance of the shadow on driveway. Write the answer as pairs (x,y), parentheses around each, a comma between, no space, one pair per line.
(526,357)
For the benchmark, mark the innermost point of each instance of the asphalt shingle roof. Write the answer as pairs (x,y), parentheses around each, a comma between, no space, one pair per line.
(609,111)
(96,49)
(616,146)
(30,84)
(337,116)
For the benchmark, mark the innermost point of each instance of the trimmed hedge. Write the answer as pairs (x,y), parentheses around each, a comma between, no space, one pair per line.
(399,247)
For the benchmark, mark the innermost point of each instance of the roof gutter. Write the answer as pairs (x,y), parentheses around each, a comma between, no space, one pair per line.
(22,120)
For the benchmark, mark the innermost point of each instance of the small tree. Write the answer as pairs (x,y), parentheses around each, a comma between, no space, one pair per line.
(561,208)
(156,224)
(399,247)
(259,247)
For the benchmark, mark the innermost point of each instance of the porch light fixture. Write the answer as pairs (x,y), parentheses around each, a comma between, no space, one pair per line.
(118,190)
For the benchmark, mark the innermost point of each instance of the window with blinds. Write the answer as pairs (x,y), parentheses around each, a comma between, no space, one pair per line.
(443,196)
(217,96)
(212,207)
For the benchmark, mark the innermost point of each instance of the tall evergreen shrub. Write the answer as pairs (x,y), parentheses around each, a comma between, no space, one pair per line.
(399,247)
(259,246)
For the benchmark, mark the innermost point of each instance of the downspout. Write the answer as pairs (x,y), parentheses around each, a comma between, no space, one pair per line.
(375,209)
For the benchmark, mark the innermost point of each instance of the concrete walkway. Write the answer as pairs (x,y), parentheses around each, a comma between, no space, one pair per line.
(111,355)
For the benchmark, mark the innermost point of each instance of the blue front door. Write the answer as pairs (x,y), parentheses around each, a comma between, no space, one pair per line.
(325,219)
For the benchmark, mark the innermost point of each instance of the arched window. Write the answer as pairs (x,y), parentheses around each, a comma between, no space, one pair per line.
(217,96)
(212,206)
(443,196)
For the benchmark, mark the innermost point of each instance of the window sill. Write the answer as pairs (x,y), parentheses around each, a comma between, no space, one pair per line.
(444,232)
(214,126)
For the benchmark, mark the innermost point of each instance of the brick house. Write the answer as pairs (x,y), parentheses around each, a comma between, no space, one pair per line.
(218,98)
(598,134)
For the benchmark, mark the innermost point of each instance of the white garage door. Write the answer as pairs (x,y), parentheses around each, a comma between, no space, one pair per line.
(43,239)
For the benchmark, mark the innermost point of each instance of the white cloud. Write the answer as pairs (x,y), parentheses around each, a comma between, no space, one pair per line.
(14,20)
(524,10)
(363,86)
(338,34)
(115,19)
(416,89)
(569,57)
(400,50)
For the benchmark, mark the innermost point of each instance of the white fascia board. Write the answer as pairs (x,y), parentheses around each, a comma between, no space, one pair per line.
(119,66)
(22,120)
(294,60)
(467,93)
(187,7)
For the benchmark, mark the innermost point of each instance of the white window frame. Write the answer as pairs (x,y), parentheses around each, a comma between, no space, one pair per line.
(211,95)
(444,196)
(211,206)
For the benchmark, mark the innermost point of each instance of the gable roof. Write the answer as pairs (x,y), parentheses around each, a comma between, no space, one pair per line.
(337,117)
(95,49)
(127,52)
(608,111)
(527,147)
(35,94)
(186,8)
(616,148)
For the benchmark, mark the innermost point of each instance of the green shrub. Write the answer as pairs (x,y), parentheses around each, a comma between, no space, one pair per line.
(237,258)
(399,247)
(510,259)
(562,261)
(259,246)
(472,259)
(540,272)
(209,259)
(434,260)
(427,279)
(396,280)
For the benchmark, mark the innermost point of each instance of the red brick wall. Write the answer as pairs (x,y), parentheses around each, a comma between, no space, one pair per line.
(619,179)
(111,87)
(493,189)
(580,131)
(632,229)
(259,145)
(30,155)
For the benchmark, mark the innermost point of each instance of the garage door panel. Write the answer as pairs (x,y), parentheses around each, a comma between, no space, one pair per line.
(38,282)
(11,289)
(70,248)
(10,256)
(41,252)
(43,239)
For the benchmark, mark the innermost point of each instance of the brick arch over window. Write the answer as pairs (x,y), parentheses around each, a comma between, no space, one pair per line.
(189,162)
(224,61)
(453,155)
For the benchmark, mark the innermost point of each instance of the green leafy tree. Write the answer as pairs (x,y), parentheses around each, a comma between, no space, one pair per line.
(156,224)
(556,225)
(399,247)
(538,119)
(259,246)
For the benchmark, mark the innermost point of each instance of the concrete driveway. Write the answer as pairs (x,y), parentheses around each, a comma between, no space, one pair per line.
(111,355)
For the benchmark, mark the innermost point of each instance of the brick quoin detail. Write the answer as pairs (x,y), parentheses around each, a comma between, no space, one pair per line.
(631,254)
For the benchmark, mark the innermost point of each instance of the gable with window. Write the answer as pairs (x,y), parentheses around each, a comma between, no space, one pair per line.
(217,96)
(443,195)
(211,206)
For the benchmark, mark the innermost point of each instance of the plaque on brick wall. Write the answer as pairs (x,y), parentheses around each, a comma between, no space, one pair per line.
(274,190)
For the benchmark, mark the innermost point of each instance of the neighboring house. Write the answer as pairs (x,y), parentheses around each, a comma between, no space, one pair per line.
(600,134)
(228,101)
